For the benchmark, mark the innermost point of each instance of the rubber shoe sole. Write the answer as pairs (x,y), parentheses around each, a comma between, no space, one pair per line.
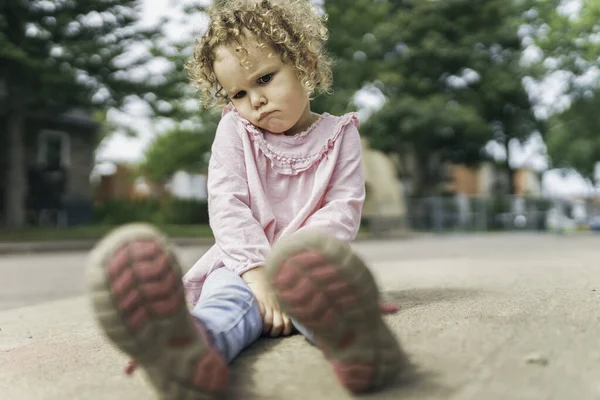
(325,286)
(134,282)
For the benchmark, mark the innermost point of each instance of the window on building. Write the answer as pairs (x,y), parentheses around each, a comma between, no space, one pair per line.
(53,149)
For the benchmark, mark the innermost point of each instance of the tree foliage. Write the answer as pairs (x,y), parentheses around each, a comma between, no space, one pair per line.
(573,139)
(449,70)
(350,24)
(64,55)
(180,149)
(568,35)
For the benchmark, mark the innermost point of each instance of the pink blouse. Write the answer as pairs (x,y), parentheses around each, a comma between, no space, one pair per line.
(263,186)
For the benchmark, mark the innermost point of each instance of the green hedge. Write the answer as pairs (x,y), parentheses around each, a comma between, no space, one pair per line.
(166,211)
(185,212)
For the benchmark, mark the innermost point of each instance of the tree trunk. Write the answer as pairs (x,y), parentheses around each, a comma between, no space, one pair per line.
(419,208)
(510,173)
(424,178)
(16,178)
(417,177)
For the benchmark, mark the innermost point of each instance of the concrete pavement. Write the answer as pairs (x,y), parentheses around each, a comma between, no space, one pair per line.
(61,246)
(501,316)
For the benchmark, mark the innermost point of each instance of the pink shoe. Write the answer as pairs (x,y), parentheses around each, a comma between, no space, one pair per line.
(134,281)
(325,286)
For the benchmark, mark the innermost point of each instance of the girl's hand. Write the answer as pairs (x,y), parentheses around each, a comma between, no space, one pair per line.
(275,322)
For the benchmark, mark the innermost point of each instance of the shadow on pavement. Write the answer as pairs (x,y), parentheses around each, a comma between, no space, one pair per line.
(411,298)
(294,368)
(289,382)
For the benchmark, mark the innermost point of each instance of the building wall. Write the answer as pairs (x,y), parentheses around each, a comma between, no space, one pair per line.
(527,183)
(463,180)
(79,131)
(486,177)
(119,185)
(78,159)
(481,181)
(385,193)
(77,138)
(82,162)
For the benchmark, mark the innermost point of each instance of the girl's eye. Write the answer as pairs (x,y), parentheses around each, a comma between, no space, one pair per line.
(265,79)
(239,95)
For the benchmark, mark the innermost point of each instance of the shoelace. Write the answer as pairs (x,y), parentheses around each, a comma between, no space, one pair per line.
(130,368)
(388,308)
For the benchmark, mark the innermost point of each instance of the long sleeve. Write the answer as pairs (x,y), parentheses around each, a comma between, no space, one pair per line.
(239,236)
(341,211)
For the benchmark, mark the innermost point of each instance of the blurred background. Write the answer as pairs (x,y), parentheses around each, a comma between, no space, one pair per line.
(475,115)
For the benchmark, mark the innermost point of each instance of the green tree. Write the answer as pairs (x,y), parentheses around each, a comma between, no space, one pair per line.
(352,43)
(181,149)
(449,71)
(567,34)
(568,39)
(453,81)
(573,138)
(57,56)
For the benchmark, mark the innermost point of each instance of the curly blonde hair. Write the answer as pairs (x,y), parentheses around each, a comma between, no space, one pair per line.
(292,28)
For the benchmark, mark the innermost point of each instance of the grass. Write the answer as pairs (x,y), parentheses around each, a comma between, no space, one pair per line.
(93,232)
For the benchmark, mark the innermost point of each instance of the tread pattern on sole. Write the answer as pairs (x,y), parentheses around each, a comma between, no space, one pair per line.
(139,301)
(328,289)
(143,283)
(317,293)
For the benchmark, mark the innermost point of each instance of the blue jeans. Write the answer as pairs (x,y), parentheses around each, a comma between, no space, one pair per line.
(229,311)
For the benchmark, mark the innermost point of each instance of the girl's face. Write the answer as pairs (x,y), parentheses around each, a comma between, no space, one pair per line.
(265,91)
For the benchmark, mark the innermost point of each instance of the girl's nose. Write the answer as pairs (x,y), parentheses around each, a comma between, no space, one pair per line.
(258,100)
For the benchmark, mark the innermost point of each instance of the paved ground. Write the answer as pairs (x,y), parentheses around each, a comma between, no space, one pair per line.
(488,317)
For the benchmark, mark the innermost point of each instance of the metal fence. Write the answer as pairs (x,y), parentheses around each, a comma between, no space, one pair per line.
(462,213)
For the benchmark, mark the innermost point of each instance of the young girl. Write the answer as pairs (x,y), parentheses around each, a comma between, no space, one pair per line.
(286,189)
